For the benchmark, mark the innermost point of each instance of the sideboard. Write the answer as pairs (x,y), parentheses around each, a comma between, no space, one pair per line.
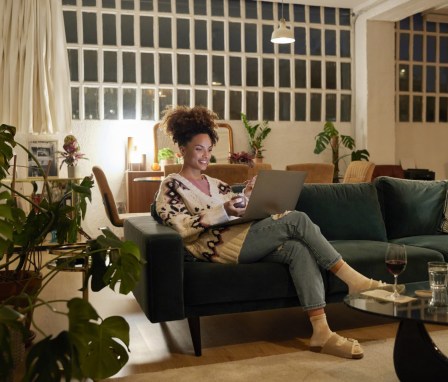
(140,195)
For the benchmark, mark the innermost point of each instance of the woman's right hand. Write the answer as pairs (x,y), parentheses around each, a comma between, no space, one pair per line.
(230,208)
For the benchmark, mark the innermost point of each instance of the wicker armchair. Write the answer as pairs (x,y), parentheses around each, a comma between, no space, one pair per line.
(359,172)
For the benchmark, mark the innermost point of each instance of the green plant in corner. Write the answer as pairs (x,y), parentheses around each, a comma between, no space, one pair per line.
(257,134)
(165,153)
(330,137)
(90,347)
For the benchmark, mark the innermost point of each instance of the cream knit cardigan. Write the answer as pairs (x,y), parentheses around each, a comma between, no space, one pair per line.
(181,205)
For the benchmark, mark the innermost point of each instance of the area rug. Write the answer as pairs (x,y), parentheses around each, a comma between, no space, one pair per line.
(377,365)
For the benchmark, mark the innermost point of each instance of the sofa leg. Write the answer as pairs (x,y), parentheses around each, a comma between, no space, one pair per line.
(195,331)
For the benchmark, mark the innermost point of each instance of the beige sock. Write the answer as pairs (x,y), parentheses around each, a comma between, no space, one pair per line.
(356,281)
(321,330)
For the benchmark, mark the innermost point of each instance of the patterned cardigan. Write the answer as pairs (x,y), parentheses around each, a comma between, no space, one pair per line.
(181,205)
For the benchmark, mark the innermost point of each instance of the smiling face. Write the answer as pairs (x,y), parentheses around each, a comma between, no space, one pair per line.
(197,153)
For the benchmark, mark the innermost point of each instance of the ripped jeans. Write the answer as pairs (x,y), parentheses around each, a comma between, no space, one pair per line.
(295,240)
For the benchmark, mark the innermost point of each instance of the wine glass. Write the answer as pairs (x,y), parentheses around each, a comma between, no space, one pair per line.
(396,260)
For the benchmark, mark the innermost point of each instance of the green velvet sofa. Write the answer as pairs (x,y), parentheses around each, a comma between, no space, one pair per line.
(358,219)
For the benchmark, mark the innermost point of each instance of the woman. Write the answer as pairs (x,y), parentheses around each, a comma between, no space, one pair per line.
(192,202)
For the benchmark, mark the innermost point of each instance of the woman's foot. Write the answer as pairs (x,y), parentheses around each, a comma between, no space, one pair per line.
(338,346)
(373,284)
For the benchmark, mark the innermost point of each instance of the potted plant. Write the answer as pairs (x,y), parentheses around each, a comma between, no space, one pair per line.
(330,137)
(242,157)
(90,347)
(71,155)
(166,156)
(257,134)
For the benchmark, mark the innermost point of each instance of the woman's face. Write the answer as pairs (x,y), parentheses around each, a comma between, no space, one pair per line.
(197,152)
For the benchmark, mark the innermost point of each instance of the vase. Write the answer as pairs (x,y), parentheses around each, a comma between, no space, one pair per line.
(71,171)
(258,160)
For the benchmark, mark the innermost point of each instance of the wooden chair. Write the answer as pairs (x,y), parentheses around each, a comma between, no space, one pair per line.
(359,172)
(316,172)
(115,218)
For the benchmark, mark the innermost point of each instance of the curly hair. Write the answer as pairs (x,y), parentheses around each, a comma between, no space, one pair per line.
(182,123)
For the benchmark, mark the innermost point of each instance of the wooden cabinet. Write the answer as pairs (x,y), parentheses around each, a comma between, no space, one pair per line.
(140,195)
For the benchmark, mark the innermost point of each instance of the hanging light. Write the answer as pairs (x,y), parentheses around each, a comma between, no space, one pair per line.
(282,35)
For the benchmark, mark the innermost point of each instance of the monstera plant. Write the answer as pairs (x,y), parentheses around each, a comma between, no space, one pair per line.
(90,347)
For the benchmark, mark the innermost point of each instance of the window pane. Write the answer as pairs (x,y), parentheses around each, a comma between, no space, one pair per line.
(315,47)
(164,32)
(145,5)
(284,73)
(268,46)
(127,4)
(110,3)
(268,72)
(200,34)
(217,35)
(147,68)
(330,107)
(127,30)
(300,106)
(404,46)
(89,28)
(345,44)
(284,107)
(235,37)
(285,11)
(251,10)
(71,31)
(91,103)
(316,101)
(417,78)
(330,43)
(235,71)
(182,6)
(217,8)
(443,85)
(330,75)
(443,109)
(235,105)
(218,71)
(166,73)
(234,8)
(110,103)
(146,31)
(430,79)
(110,66)
(251,72)
(183,97)
(418,22)
(299,13)
(330,16)
(267,12)
(344,16)
(109,30)
(283,48)
(300,71)
(405,23)
(430,109)
(300,35)
(183,69)
(346,76)
(418,47)
(443,49)
(90,65)
(129,67)
(250,38)
(201,97)
(404,108)
(314,14)
(219,103)
(268,106)
(346,107)
(165,99)
(183,34)
(431,49)
(417,109)
(252,105)
(164,5)
(88,3)
(148,104)
(75,103)
(73,64)
(403,81)
(200,70)
(200,7)
(316,77)
(129,103)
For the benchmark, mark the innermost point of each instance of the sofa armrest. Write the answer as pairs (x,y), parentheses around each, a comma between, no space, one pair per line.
(160,288)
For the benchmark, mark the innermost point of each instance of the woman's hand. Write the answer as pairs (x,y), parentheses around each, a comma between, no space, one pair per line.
(249,187)
(236,206)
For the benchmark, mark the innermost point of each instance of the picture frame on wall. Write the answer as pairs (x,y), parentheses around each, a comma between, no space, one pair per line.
(46,154)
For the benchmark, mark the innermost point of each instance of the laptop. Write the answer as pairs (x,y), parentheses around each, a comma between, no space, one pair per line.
(275,191)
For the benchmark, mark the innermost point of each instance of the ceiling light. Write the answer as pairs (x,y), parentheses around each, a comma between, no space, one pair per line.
(282,35)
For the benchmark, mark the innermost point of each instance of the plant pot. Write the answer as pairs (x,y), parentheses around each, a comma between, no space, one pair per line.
(72,172)
(258,160)
(164,162)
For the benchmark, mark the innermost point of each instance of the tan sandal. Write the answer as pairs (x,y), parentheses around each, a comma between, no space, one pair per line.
(340,347)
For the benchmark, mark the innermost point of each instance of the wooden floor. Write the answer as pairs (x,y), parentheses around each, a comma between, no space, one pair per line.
(156,347)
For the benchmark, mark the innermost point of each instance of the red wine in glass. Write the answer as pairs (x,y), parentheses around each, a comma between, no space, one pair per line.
(396,260)
(395,266)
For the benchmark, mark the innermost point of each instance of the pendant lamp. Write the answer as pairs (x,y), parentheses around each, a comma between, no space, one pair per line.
(282,35)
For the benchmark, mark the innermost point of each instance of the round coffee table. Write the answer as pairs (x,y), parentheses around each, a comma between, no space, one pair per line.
(416,357)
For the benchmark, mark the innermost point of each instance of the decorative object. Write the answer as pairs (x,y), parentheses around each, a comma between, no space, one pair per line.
(71,154)
(257,134)
(241,157)
(330,136)
(166,156)
(45,153)
(282,35)
(79,351)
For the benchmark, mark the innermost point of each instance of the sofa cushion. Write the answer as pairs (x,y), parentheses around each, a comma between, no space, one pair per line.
(436,242)
(368,257)
(344,211)
(444,224)
(411,207)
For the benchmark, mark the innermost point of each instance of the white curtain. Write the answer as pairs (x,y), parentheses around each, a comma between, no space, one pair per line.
(34,71)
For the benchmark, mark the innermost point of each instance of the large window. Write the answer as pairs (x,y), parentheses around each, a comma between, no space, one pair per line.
(422,70)
(129,59)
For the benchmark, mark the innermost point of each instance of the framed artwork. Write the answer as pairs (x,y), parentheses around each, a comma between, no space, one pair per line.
(46,154)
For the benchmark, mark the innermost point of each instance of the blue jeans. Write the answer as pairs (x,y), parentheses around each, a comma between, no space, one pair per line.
(294,240)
